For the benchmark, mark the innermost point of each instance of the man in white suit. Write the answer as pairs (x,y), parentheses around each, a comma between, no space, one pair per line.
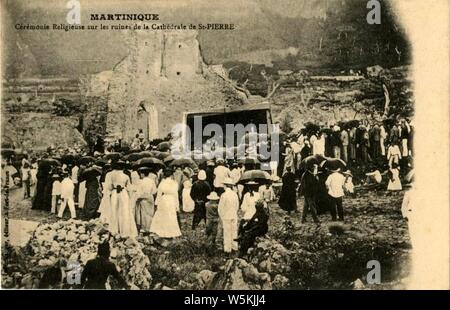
(228,213)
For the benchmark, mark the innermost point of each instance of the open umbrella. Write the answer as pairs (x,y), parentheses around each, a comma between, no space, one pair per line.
(101,162)
(161,155)
(164,146)
(309,161)
(91,171)
(8,152)
(146,154)
(113,156)
(258,176)
(86,160)
(334,164)
(183,162)
(148,162)
(69,158)
(133,157)
(168,159)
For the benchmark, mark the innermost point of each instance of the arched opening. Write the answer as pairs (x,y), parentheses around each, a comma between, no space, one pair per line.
(147,120)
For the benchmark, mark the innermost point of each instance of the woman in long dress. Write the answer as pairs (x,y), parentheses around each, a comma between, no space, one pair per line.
(92,197)
(165,222)
(288,195)
(122,217)
(145,204)
(43,194)
(105,204)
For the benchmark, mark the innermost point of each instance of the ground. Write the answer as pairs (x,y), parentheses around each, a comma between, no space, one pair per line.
(332,255)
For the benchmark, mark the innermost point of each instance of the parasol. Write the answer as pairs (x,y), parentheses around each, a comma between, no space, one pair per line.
(113,156)
(334,164)
(91,171)
(134,156)
(168,159)
(69,158)
(148,162)
(309,161)
(258,176)
(184,162)
(85,160)
(8,152)
(101,162)
(164,146)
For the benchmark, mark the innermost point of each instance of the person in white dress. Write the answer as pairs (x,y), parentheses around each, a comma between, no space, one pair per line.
(394,181)
(105,203)
(165,221)
(188,203)
(393,154)
(248,203)
(145,203)
(121,217)
(319,145)
(67,191)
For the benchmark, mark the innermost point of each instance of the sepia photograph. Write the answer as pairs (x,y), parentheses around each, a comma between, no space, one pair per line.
(226,145)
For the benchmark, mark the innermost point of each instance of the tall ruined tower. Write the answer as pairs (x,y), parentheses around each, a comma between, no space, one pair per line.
(162,76)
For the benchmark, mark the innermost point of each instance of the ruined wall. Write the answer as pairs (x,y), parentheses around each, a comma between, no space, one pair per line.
(164,72)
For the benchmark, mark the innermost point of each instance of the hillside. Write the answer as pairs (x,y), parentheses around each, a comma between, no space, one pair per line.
(331,33)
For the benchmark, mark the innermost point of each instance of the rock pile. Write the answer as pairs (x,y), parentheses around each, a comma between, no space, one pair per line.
(237,274)
(77,241)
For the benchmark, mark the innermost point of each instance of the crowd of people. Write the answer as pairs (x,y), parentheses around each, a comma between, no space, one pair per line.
(377,147)
(145,199)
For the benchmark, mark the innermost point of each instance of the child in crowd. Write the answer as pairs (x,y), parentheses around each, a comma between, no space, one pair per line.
(348,185)
(394,178)
(188,203)
(26,179)
(56,193)
(212,219)
(266,193)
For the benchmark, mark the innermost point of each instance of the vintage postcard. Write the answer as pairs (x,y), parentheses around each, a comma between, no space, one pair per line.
(225,145)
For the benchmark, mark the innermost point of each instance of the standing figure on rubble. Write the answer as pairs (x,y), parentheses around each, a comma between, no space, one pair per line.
(122,217)
(165,221)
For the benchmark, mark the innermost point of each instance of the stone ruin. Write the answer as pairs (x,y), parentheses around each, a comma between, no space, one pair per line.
(162,77)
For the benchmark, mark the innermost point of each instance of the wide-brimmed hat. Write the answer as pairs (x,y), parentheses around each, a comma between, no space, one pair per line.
(201,175)
(251,183)
(144,169)
(228,181)
(210,163)
(213,196)
(348,172)
(118,165)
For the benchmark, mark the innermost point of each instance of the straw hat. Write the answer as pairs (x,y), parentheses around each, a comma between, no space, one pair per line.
(201,175)
(213,196)
(228,181)
(348,172)
(251,183)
